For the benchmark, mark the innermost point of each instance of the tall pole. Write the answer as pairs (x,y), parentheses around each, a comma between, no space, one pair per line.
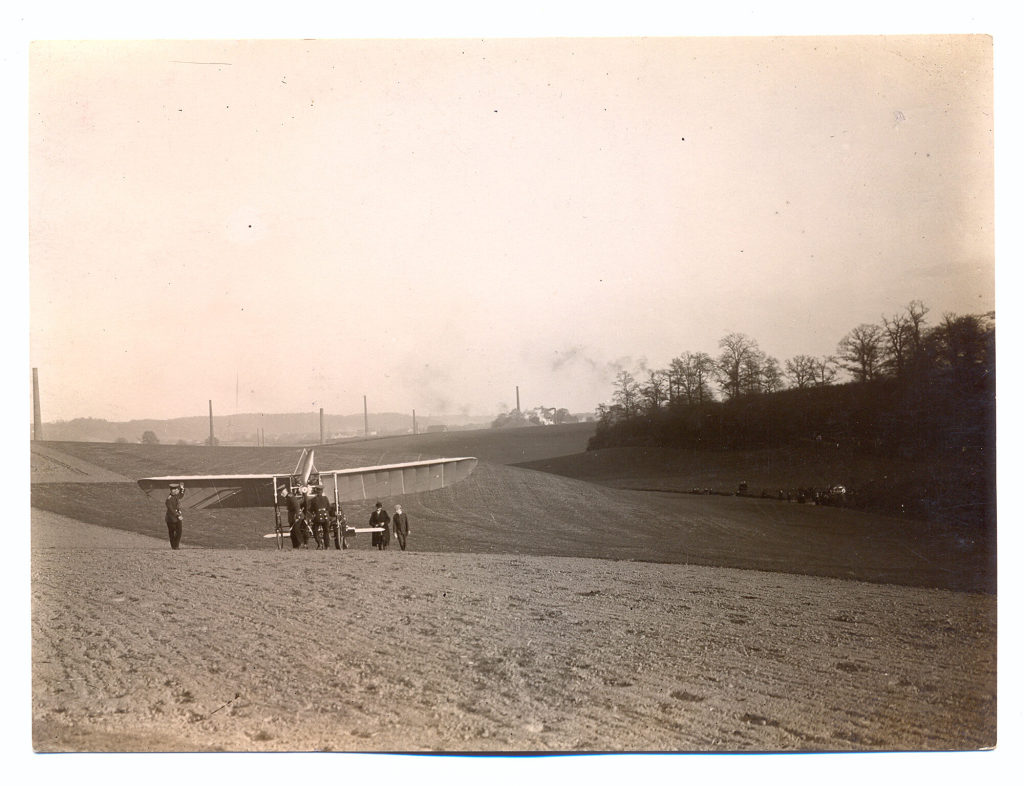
(37,418)
(321,425)
(366,419)
(211,422)
(414,432)
(517,398)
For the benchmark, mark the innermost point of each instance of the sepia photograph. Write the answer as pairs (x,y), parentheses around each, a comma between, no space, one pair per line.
(513,395)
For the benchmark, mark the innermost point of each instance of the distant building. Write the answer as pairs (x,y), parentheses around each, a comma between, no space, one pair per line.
(436,429)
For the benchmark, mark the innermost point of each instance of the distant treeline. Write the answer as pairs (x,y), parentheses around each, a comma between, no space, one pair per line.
(914,392)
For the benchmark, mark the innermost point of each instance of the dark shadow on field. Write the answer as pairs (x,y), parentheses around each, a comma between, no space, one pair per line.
(955,489)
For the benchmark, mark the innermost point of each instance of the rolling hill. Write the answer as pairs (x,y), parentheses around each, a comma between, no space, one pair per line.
(517,510)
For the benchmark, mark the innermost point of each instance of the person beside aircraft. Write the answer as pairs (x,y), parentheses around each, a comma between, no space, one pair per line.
(296,503)
(250,490)
(319,508)
(173,515)
(401,525)
(380,518)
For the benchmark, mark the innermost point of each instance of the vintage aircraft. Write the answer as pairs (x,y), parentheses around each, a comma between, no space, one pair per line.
(345,485)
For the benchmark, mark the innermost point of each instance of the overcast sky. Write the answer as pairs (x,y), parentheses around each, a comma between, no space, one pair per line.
(433,222)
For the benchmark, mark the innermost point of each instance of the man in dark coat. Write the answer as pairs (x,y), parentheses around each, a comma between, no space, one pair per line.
(401,525)
(296,505)
(380,518)
(320,515)
(173,515)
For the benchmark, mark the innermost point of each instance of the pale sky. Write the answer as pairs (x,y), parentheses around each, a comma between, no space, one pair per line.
(433,222)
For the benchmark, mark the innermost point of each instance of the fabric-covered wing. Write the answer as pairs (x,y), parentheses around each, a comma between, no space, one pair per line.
(391,480)
(361,483)
(220,491)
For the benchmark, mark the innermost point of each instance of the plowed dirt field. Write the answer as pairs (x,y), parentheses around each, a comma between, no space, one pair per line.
(140,648)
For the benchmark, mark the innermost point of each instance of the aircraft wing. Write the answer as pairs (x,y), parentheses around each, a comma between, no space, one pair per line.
(390,480)
(361,483)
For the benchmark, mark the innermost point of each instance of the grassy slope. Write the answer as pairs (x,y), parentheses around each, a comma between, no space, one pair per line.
(506,446)
(670,469)
(503,509)
(883,484)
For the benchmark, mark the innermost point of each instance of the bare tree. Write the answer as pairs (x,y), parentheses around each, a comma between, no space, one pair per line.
(860,352)
(825,370)
(627,393)
(654,392)
(674,380)
(801,371)
(700,369)
(771,375)
(739,359)
(916,311)
(752,368)
(897,337)
(690,378)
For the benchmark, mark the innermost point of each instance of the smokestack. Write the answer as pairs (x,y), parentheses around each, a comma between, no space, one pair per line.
(37,418)
(321,425)
(517,398)
(414,432)
(211,422)
(366,420)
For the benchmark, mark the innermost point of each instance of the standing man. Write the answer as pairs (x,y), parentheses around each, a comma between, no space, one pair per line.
(295,506)
(380,518)
(320,513)
(401,524)
(173,515)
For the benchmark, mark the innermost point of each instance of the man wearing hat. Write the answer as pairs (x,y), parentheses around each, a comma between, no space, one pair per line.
(296,504)
(173,515)
(401,524)
(320,513)
(380,518)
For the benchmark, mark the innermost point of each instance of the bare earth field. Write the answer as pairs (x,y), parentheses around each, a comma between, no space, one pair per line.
(140,648)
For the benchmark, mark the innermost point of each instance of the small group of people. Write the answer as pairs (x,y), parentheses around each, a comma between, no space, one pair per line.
(318,518)
(309,517)
(400,524)
(315,517)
